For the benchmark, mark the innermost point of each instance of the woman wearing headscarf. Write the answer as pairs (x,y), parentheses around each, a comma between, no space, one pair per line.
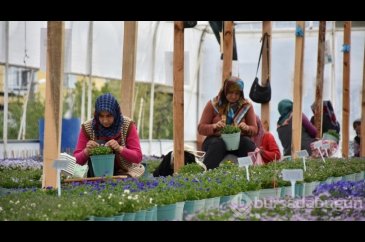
(228,107)
(265,141)
(110,128)
(284,128)
(357,127)
(329,121)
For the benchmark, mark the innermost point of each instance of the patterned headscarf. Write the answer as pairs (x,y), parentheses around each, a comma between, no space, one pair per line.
(285,108)
(233,111)
(328,111)
(107,102)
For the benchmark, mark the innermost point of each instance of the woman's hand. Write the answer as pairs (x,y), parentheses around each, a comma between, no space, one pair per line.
(114,145)
(219,125)
(243,126)
(89,145)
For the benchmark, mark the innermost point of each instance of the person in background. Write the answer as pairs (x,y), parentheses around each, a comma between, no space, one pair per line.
(329,121)
(265,141)
(284,128)
(110,128)
(357,127)
(228,107)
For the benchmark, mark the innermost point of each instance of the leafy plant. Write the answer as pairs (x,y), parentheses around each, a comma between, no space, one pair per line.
(230,129)
(101,150)
(191,169)
(334,133)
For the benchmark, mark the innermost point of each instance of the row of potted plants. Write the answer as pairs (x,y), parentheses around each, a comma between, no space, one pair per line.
(227,180)
(337,201)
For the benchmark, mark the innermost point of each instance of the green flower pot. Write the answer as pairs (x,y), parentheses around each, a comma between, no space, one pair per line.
(151,214)
(336,178)
(119,217)
(140,215)
(129,216)
(359,176)
(170,212)
(209,203)
(250,196)
(270,192)
(308,188)
(231,199)
(194,206)
(103,165)
(351,177)
(232,141)
(96,218)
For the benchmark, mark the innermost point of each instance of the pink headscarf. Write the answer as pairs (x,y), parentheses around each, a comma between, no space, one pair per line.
(257,139)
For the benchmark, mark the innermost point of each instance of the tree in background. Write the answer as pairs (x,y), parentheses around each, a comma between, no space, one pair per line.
(35,111)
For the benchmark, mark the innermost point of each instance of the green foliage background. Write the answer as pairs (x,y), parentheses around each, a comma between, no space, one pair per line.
(162,117)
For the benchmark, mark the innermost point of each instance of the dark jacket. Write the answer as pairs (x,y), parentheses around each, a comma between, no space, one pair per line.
(285,133)
(166,167)
(327,125)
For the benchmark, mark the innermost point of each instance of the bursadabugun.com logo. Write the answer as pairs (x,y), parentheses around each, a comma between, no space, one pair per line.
(310,202)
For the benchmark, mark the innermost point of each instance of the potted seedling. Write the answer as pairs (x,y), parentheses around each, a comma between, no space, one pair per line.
(231,136)
(102,159)
(331,135)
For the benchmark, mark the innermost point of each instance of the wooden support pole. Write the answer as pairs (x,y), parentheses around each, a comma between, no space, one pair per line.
(227,49)
(6,89)
(129,67)
(319,82)
(346,89)
(362,132)
(266,73)
(53,106)
(178,100)
(298,89)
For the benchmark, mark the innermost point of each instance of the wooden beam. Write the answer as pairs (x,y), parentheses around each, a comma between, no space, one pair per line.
(227,50)
(346,88)
(53,106)
(178,100)
(94,179)
(129,67)
(298,89)
(362,132)
(319,82)
(266,73)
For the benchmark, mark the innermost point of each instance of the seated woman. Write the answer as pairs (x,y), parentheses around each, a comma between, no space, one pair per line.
(228,107)
(111,128)
(284,128)
(329,121)
(357,127)
(265,141)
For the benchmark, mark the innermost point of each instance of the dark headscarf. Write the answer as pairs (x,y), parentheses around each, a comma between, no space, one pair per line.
(233,111)
(107,102)
(285,108)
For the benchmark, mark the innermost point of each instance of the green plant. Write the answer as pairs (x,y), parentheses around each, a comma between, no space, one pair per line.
(334,133)
(101,150)
(193,168)
(230,129)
